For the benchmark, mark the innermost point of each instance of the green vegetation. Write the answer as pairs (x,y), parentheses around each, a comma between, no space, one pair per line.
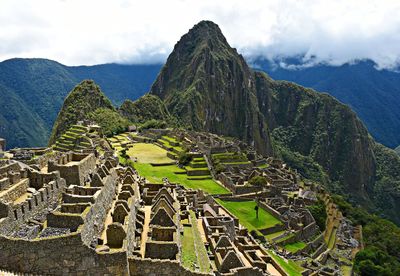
(111,121)
(294,247)
(184,158)
(229,158)
(244,211)
(387,185)
(381,255)
(85,98)
(203,260)
(189,258)
(258,181)
(155,174)
(146,108)
(292,268)
(149,153)
(153,124)
(305,165)
(318,211)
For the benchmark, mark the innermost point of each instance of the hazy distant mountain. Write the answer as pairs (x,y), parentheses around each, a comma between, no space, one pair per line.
(33,90)
(373,94)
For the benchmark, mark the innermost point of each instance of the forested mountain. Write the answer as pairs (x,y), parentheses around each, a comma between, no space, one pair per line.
(33,90)
(373,94)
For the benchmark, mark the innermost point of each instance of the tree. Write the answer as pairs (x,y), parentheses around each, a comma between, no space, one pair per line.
(184,158)
(258,181)
(256,208)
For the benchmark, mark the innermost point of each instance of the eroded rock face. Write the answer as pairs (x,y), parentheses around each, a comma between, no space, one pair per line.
(208,86)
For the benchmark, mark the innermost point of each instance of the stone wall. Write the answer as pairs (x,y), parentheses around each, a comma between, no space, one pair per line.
(130,235)
(15,191)
(154,267)
(74,168)
(59,256)
(94,220)
(40,202)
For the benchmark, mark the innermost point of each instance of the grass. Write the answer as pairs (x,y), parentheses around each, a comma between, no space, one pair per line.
(155,174)
(294,247)
(189,258)
(244,211)
(203,261)
(274,235)
(149,153)
(285,238)
(170,139)
(289,266)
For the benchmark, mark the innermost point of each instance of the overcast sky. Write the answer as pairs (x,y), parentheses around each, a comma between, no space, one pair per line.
(76,32)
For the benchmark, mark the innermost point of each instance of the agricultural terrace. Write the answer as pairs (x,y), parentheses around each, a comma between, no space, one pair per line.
(148,154)
(244,211)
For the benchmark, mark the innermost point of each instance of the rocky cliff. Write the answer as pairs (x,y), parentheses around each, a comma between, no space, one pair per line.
(208,86)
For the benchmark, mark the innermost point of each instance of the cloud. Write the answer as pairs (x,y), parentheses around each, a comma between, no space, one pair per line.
(88,32)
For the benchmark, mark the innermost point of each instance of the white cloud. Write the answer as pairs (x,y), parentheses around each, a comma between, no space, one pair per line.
(98,31)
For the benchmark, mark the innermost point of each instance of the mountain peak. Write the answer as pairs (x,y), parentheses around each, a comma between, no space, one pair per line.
(85,98)
(206,29)
(201,82)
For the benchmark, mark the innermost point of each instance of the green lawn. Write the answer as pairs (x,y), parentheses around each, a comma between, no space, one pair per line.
(289,266)
(149,153)
(294,247)
(189,258)
(246,214)
(203,260)
(155,174)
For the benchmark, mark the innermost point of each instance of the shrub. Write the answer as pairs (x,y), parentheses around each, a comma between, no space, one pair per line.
(184,158)
(258,181)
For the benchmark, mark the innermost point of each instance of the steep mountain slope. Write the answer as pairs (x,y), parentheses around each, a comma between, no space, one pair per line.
(317,125)
(145,108)
(208,86)
(373,94)
(18,121)
(83,100)
(398,150)
(34,90)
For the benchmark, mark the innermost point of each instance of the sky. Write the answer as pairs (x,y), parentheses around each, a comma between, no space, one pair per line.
(87,32)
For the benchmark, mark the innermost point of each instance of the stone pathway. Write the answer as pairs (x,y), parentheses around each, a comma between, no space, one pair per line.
(272,270)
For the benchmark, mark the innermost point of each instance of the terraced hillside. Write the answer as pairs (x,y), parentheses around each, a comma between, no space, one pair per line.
(75,138)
